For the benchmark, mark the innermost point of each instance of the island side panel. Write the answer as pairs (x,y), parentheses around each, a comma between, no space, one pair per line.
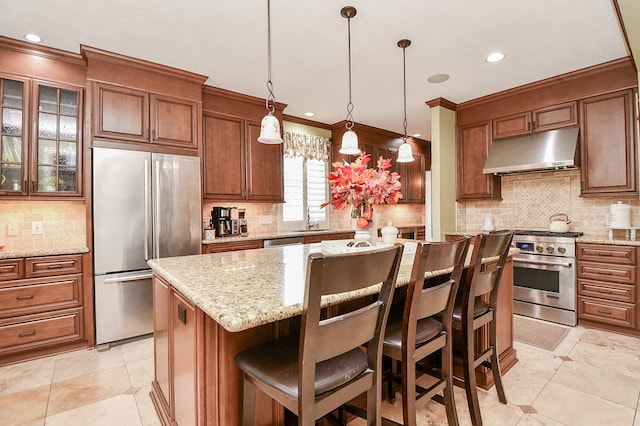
(223,378)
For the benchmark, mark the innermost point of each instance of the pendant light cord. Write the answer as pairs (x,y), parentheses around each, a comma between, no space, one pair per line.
(350,104)
(404,79)
(271,99)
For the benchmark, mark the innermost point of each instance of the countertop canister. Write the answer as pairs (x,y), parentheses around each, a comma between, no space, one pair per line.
(619,215)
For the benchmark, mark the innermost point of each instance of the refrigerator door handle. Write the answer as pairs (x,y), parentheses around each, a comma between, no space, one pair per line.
(147,209)
(127,279)
(156,218)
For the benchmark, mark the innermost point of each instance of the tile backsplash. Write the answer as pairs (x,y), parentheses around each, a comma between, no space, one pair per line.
(530,199)
(263,217)
(63,224)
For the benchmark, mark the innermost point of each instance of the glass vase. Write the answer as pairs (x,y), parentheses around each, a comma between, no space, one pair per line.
(362,222)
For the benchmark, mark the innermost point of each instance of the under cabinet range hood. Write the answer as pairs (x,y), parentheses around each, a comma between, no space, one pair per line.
(550,150)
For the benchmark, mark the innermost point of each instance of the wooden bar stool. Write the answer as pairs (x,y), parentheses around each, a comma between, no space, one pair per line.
(322,368)
(423,327)
(473,311)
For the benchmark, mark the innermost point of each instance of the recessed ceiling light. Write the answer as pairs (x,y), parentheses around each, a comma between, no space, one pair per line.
(495,57)
(34,38)
(309,114)
(417,135)
(438,78)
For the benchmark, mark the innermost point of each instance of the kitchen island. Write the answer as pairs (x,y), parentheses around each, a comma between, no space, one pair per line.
(207,308)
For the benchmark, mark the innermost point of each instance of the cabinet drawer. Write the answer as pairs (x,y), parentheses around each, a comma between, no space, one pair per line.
(34,295)
(612,273)
(607,253)
(11,269)
(231,246)
(53,265)
(39,330)
(609,291)
(616,313)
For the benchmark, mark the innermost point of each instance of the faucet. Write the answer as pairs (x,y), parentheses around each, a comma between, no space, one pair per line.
(311,223)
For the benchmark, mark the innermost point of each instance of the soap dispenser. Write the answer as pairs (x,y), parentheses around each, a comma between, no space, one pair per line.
(389,233)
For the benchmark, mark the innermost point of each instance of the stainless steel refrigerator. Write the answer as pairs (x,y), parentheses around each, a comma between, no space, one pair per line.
(145,206)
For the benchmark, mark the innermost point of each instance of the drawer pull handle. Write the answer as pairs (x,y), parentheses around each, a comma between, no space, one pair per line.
(24,297)
(606,312)
(602,290)
(27,333)
(604,272)
(55,266)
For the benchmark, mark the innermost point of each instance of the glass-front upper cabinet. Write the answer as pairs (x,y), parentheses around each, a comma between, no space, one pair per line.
(57,140)
(13,175)
(41,150)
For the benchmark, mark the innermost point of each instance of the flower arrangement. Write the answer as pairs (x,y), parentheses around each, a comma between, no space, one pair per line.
(361,187)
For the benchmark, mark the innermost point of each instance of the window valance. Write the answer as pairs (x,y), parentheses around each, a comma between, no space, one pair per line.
(310,147)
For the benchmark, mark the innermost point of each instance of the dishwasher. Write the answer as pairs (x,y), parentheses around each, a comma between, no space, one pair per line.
(285,241)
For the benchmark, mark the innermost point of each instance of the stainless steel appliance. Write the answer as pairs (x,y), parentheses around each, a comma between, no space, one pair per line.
(544,275)
(225,221)
(145,206)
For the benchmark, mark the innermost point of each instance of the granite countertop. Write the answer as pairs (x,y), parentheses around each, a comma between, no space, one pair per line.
(44,252)
(286,234)
(245,289)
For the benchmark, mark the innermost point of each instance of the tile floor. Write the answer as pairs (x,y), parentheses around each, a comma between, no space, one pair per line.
(591,378)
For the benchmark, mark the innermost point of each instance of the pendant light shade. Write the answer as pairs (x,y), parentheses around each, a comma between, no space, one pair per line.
(270,126)
(350,143)
(349,138)
(405,153)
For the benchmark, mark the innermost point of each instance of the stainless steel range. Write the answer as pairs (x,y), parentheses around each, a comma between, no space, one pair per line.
(544,275)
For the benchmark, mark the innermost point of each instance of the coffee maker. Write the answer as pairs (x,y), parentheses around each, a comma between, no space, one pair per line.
(224,220)
(242,221)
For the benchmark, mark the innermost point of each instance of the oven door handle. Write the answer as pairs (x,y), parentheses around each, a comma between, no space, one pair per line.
(543,262)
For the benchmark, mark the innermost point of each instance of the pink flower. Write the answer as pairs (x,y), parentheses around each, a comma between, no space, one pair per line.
(355,184)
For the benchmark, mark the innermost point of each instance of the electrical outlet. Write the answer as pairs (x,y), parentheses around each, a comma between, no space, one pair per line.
(36,228)
(12,229)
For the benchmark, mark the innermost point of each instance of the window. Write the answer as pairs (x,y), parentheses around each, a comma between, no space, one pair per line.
(305,189)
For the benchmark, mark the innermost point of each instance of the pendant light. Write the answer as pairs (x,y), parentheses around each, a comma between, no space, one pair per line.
(270,126)
(349,138)
(405,154)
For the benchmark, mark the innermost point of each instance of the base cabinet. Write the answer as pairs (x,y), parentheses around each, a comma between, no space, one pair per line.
(41,307)
(607,287)
(196,379)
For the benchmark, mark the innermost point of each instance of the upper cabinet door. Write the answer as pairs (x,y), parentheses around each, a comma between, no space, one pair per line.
(608,165)
(265,167)
(121,113)
(512,125)
(56,156)
(473,146)
(13,146)
(224,157)
(555,117)
(174,121)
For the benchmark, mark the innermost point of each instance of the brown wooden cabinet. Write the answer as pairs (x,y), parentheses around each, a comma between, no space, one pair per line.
(236,165)
(231,246)
(41,306)
(608,155)
(48,160)
(130,115)
(316,238)
(538,120)
(607,287)
(174,390)
(473,146)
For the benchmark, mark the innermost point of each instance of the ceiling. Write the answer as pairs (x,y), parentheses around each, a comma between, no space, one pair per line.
(227,41)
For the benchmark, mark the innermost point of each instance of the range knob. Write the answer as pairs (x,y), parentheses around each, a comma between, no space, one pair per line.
(562,250)
(549,249)
(539,249)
